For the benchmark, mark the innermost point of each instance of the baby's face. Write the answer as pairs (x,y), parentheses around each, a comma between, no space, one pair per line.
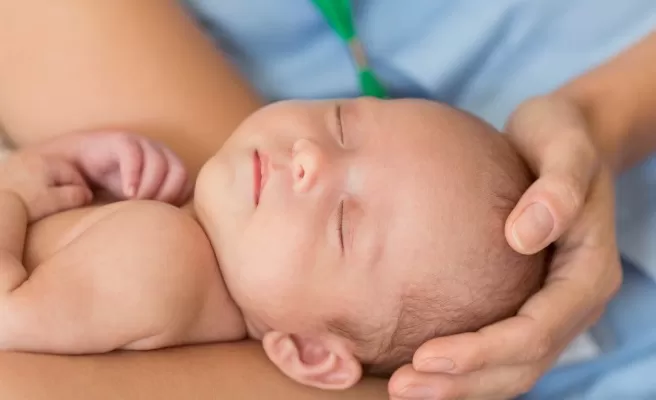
(332,209)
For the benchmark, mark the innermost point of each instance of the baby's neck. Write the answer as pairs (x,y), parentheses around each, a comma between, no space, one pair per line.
(190,210)
(254,329)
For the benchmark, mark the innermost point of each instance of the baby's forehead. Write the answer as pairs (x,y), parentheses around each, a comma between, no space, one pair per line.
(416,118)
(437,181)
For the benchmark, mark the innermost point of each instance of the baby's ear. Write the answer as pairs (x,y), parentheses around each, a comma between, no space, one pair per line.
(324,362)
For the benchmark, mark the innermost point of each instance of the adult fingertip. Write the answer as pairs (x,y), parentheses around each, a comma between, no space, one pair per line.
(400,379)
(435,365)
(531,230)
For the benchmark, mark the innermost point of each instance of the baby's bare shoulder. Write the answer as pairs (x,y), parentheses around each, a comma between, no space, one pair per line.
(149,225)
(150,231)
(143,267)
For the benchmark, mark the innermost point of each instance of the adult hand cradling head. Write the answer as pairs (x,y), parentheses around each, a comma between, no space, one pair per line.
(571,206)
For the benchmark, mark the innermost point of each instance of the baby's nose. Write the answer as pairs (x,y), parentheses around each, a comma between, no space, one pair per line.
(307,163)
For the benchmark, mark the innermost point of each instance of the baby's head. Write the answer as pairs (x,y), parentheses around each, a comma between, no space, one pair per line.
(350,232)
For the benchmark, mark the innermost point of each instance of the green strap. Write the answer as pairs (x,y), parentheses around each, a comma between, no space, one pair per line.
(339,15)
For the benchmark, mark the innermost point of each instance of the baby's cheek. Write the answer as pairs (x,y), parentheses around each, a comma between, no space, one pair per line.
(267,289)
(267,266)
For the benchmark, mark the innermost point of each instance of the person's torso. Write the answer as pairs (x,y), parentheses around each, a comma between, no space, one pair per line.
(480,55)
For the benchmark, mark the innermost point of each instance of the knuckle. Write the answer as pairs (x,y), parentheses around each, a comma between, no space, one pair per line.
(474,359)
(615,279)
(121,136)
(526,380)
(73,197)
(124,140)
(450,390)
(608,283)
(571,194)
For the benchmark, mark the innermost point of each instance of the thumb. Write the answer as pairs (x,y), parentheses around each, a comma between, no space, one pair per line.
(551,135)
(62,198)
(544,212)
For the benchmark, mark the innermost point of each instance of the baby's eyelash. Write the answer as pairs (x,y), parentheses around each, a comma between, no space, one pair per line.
(340,224)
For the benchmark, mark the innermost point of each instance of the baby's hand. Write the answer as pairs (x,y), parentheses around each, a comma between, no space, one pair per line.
(127,166)
(45,184)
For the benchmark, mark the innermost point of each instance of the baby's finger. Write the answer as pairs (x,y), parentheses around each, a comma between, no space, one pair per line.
(155,168)
(64,173)
(61,198)
(131,160)
(174,188)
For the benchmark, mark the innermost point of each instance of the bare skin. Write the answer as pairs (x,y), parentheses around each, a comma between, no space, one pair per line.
(79,282)
(141,66)
(198,372)
(143,108)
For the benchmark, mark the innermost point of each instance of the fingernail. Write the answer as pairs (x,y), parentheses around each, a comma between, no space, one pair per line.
(130,191)
(416,392)
(533,226)
(437,364)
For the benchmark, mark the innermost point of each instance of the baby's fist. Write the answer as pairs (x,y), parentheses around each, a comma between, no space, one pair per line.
(127,166)
(46,185)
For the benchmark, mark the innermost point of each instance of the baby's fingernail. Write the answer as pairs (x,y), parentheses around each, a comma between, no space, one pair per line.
(130,191)
(416,392)
(533,226)
(437,364)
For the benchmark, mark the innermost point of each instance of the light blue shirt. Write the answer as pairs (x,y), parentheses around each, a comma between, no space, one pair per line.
(481,55)
(485,56)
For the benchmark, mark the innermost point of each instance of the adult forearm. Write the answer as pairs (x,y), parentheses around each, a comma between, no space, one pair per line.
(76,65)
(228,371)
(619,99)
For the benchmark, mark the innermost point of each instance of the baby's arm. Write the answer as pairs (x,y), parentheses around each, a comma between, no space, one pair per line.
(31,187)
(137,275)
(141,276)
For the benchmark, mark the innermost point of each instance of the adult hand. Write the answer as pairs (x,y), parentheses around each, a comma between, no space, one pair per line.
(570,205)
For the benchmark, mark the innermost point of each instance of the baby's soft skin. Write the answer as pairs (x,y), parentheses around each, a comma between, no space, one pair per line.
(333,224)
(131,275)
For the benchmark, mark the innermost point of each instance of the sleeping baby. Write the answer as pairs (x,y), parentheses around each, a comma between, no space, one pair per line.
(342,234)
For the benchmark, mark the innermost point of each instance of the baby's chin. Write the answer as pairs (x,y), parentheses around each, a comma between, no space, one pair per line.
(201,192)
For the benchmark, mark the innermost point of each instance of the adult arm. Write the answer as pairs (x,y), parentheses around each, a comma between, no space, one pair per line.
(619,101)
(226,371)
(141,66)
